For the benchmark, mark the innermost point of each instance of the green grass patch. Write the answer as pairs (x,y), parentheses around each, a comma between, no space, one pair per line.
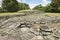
(10,14)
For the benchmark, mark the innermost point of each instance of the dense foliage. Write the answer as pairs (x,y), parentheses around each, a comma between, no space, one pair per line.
(13,6)
(10,5)
(54,6)
(38,7)
(23,6)
(1,10)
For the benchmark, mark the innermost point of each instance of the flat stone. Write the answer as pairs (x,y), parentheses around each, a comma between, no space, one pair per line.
(50,37)
(45,29)
(32,30)
(23,26)
(25,29)
(29,26)
(37,38)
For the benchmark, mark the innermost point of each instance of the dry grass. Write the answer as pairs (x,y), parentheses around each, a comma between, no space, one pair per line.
(52,14)
(23,12)
(10,14)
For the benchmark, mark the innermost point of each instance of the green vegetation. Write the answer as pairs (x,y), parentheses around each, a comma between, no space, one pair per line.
(52,14)
(39,7)
(15,13)
(10,5)
(11,14)
(23,12)
(14,6)
(54,6)
(23,6)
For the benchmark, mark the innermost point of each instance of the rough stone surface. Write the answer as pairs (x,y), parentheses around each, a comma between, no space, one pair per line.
(34,26)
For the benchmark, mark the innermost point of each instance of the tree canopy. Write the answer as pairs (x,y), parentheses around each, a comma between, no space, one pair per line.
(23,6)
(55,6)
(39,7)
(10,5)
(13,6)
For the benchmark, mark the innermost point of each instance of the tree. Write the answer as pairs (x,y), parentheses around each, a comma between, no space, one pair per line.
(1,10)
(23,6)
(10,5)
(39,7)
(59,9)
(47,8)
(55,4)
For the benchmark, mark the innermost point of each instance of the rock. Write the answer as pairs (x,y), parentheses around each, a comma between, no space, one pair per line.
(42,22)
(54,21)
(37,12)
(40,37)
(22,24)
(29,26)
(38,22)
(50,37)
(37,38)
(45,30)
(56,35)
(26,35)
(25,29)
(58,21)
(34,31)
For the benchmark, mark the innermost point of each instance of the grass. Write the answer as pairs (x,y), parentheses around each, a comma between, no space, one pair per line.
(15,13)
(23,12)
(10,14)
(52,14)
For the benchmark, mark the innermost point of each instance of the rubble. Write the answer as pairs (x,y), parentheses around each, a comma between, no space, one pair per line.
(30,27)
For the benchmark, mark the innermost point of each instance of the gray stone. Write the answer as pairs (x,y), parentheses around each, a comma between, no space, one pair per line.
(45,29)
(25,29)
(34,31)
(50,37)
(37,38)
(23,26)
(29,26)
(26,35)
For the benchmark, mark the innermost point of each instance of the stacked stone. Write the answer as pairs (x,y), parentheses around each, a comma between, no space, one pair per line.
(45,30)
